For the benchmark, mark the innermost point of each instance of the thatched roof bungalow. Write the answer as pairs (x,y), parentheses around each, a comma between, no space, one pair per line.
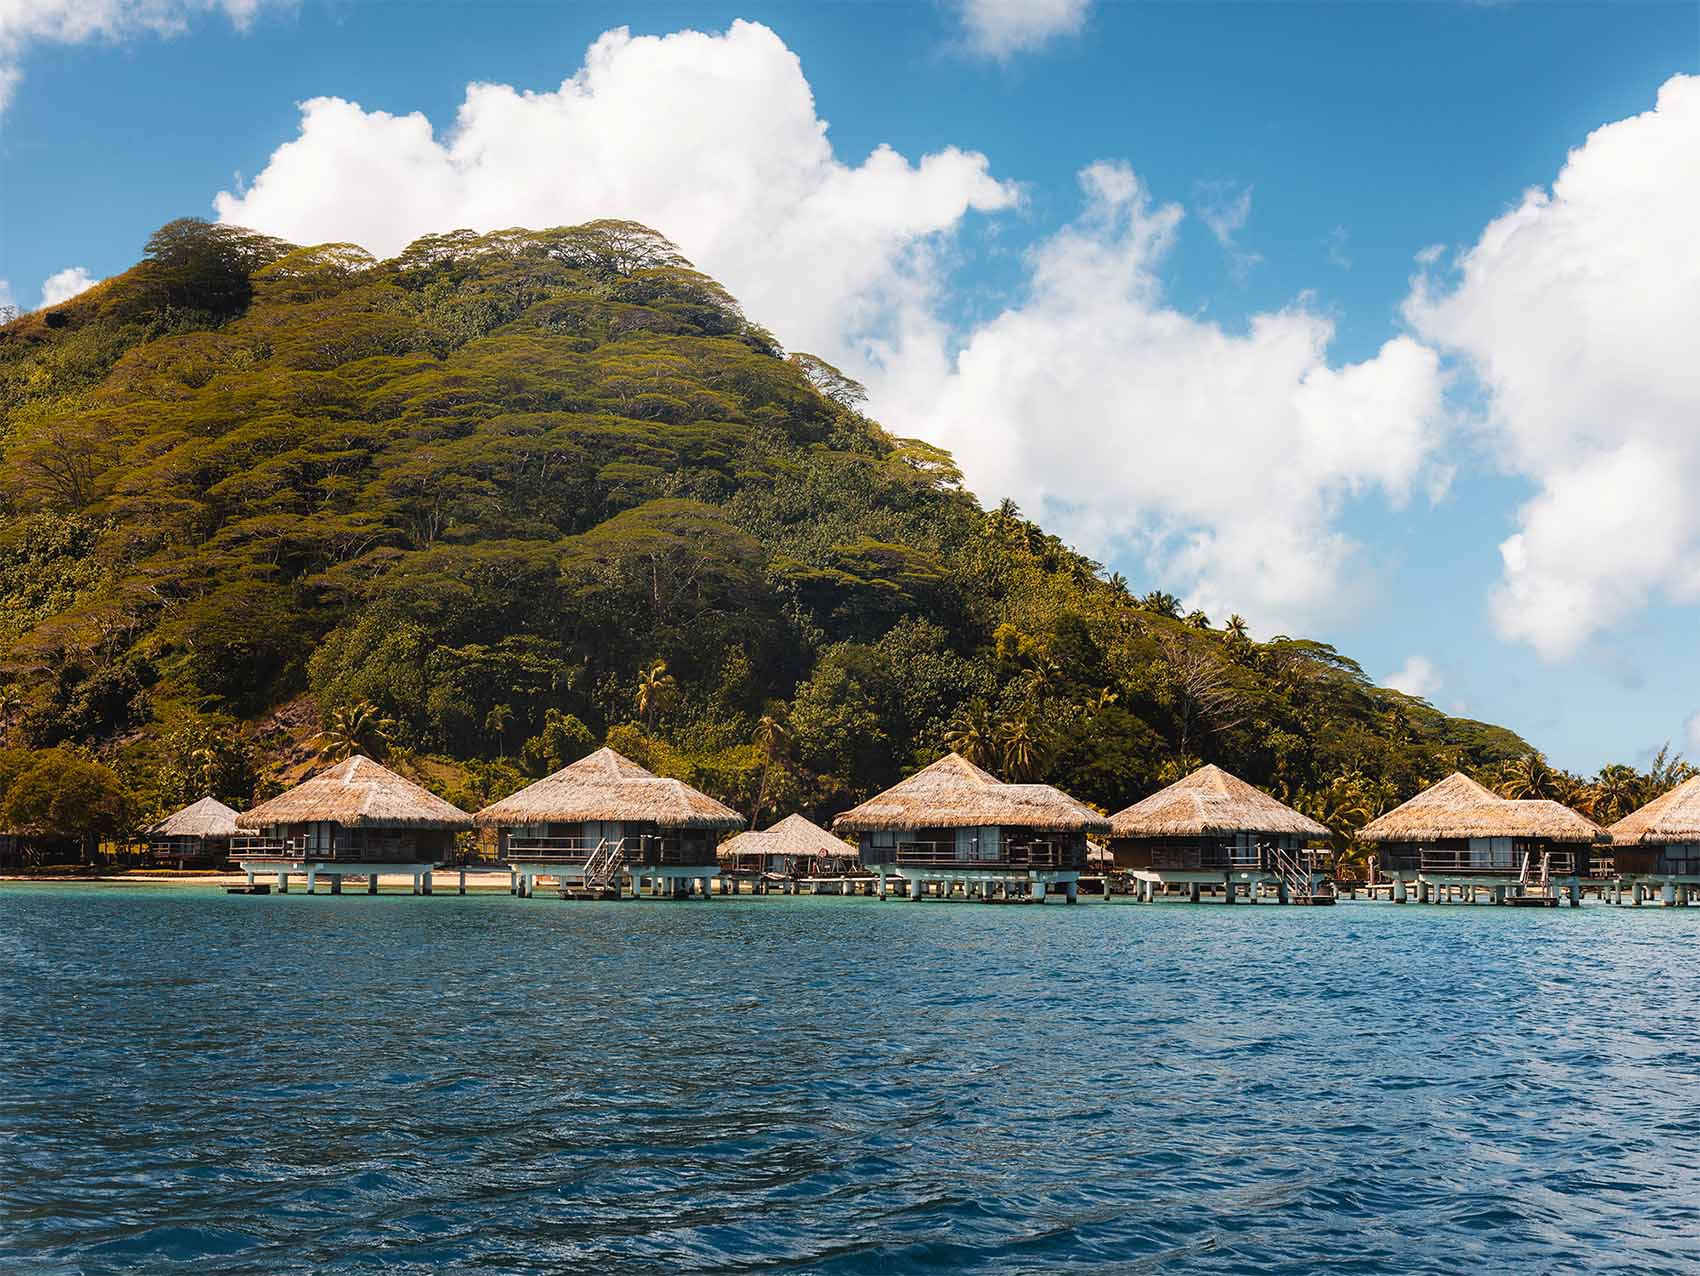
(1662,839)
(795,844)
(606,800)
(952,821)
(1208,822)
(1458,827)
(357,811)
(200,831)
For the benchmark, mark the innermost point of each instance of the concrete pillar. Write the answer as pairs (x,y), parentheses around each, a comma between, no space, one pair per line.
(462,889)
(336,883)
(371,883)
(312,878)
(1072,892)
(702,882)
(1228,894)
(1576,894)
(1192,892)
(283,883)
(1636,895)
(1399,891)
(1282,894)
(1499,894)
(915,888)
(250,873)
(1667,896)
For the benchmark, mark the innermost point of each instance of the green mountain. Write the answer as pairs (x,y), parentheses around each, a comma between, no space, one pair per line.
(507,495)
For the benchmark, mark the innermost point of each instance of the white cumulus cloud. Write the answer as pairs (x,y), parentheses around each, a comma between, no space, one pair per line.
(1000,28)
(27,22)
(1578,312)
(1416,677)
(64,284)
(712,139)
(1224,457)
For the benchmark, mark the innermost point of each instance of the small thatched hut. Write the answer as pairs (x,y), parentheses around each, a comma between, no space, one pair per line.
(953,823)
(1458,833)
(1213,827)
(200,833)
(794,846)
(1659,844)
(604,819)
(356,818)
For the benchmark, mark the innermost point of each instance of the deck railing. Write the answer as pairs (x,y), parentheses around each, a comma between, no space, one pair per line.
(372,850)
(647,851)
(1009,855)
(1464,861)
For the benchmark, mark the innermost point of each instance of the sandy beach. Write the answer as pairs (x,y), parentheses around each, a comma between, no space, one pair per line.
(444,881)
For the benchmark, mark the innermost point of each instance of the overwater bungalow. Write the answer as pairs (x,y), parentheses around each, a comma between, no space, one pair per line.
(794,848)
(200,833)
(1658,847)
(1214,829)
(604,821)
(357,819)
(1458,837)
(954,826)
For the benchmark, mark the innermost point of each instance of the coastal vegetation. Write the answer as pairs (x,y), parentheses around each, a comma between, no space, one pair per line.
(479,508)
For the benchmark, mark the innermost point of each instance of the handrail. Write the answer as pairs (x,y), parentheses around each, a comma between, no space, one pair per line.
(1010,855)
(1524,868)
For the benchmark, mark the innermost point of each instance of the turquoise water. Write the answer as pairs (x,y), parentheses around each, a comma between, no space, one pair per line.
(219,1084)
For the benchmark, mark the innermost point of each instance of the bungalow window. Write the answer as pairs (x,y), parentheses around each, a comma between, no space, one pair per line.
(884,839)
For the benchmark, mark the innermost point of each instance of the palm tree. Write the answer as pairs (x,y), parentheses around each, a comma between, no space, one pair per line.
(1162,603)
(1528,776)
(773,739)
(356,728)
(1197,620)
(972,734)
(1615,792)
(1023,750)
(1237,629)
(655,691)
(496,723)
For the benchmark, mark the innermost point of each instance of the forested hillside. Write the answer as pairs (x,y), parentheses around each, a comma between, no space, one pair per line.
(486,504)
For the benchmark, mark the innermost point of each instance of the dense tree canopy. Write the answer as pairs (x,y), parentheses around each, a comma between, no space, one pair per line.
(261,502)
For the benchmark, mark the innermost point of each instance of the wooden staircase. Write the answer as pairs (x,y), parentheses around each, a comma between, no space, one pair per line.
(1297,872)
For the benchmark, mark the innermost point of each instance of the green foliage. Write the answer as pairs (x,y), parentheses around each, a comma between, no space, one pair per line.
(507,494)
(55,796)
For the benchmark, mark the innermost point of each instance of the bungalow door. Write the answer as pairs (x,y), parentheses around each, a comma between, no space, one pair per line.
(596,831)
(967,844)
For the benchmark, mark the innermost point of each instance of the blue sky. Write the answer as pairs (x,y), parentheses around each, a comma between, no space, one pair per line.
(1310,153)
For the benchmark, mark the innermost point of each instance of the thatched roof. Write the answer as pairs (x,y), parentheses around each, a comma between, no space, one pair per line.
(357,793)
(1458,807)
(1211,802)
(1670,817)
(207,818)
(606,786)
(793,835)
(954,793)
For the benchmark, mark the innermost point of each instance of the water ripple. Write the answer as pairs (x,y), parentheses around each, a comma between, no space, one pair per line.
(243,1086)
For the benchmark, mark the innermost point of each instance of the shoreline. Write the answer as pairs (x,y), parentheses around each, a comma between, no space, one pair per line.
(446,880)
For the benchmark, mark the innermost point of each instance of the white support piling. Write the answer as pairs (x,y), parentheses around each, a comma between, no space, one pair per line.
(462,881)
(372,882)
(282,883)
(1192,892)
(1400,894)
(1071,892)
(312,878)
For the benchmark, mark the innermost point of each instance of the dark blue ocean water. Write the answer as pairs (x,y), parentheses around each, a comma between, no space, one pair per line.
(196,1082)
